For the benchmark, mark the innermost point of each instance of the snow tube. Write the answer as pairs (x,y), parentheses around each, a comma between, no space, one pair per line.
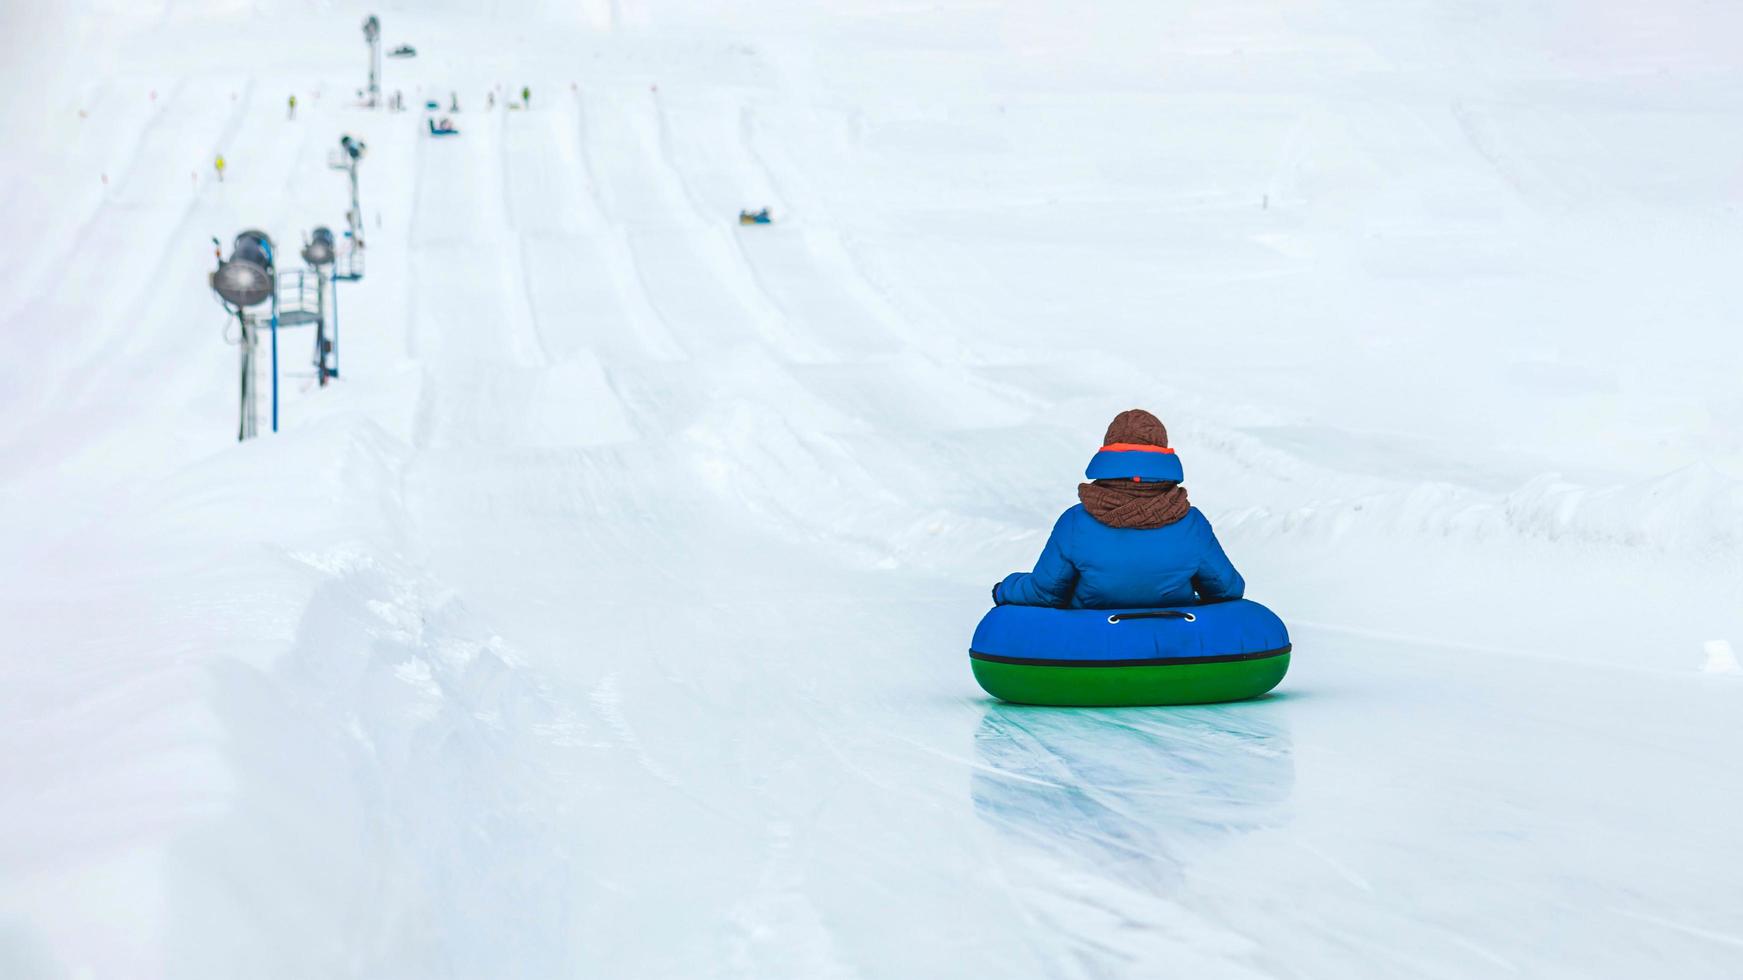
(1192,654)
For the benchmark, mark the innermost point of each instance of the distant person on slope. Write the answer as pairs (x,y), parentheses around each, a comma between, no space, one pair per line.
(1134,542)
(526,96)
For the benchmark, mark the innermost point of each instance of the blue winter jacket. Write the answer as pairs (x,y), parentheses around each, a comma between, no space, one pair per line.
(1088,565)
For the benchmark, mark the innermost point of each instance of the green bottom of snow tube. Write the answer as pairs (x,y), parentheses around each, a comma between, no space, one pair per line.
(1070,685)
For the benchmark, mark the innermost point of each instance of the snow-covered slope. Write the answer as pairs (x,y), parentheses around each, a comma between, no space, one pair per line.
(608,617)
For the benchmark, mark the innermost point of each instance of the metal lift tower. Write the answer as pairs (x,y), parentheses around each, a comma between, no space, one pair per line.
(243,280)
(372,35)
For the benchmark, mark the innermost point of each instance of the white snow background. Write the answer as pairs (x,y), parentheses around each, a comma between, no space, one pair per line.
(608,617)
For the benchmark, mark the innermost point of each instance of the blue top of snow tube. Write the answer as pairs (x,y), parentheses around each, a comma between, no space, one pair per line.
(1238,629)
(1151,464)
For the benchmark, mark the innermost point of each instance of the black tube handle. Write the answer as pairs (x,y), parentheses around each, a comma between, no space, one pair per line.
(1154,614)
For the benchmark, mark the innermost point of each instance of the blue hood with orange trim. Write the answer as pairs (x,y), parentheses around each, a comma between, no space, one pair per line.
(1126,461)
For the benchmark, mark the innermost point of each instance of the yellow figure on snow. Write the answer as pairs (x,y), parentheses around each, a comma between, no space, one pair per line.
(218,165)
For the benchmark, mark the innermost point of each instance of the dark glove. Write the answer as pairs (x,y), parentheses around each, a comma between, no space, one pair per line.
(996,591)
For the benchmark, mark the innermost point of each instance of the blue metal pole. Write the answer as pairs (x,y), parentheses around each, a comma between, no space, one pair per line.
(335,279)
(275,352)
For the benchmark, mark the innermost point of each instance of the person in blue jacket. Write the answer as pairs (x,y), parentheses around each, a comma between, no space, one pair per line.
(1133,542)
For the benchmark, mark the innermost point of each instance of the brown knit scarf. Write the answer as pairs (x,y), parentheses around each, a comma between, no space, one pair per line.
(1122,503)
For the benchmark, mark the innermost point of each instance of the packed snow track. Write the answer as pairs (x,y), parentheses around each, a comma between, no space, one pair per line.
(608,617)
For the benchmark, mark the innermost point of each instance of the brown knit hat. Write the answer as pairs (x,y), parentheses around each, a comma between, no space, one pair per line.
(1136,428)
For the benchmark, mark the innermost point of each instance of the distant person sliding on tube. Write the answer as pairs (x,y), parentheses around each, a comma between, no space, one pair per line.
(1134,542)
